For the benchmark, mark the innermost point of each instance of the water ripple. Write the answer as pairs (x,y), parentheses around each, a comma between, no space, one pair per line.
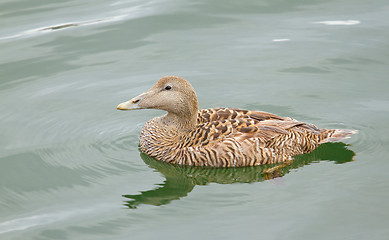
(27,222)
(339,22)
(124,13)
(63,26)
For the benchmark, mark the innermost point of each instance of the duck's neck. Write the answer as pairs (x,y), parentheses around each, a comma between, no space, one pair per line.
(182,123)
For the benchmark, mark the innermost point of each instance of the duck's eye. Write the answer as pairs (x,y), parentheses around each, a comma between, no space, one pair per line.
(168,87)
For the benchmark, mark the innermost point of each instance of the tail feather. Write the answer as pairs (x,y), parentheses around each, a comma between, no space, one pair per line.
(337,135)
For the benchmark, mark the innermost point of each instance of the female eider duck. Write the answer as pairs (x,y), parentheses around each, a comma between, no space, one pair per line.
(220,137)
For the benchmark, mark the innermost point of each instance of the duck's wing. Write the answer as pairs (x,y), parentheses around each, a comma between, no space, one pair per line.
(246,142)
(218,114)
(241,129)
(267,119)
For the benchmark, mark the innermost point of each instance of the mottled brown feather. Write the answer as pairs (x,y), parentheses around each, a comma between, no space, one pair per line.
(221,137)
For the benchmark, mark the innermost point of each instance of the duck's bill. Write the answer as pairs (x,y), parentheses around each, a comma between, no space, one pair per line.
(129,105)
(132,104)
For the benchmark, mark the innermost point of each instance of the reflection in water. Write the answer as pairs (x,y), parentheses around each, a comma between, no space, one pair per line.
(180,180)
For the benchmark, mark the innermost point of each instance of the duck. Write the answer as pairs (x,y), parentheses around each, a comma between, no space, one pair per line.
(220,137)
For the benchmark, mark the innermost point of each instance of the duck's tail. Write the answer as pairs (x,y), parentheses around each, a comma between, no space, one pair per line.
(334,135)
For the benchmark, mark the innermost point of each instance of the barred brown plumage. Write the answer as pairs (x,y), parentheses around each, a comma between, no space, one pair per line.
(220,137)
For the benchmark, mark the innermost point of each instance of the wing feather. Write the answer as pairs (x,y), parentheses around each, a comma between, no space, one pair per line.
(217,124)
(218,114)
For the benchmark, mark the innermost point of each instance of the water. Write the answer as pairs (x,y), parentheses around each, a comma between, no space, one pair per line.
(69,163)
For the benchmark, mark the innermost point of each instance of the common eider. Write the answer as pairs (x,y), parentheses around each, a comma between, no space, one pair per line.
(220,137)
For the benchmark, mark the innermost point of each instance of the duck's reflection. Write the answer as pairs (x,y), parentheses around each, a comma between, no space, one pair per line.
(180,180)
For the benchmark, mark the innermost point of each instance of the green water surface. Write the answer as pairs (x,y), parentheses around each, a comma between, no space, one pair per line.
(70,167)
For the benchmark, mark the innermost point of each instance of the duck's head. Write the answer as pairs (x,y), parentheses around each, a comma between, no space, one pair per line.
(172,94)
